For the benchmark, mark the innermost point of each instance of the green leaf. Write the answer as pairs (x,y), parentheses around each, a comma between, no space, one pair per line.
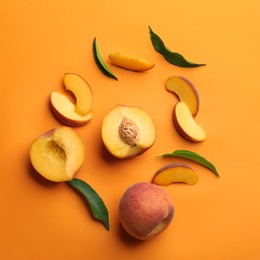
(192,156)
(98,208)
(172,57)
(100,62)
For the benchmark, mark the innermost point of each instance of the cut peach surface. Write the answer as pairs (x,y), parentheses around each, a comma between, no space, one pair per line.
(64,110)
(82,91)
(185,123)
(58,154)
(185,90)
(130,63)
(175,173)
(128,131)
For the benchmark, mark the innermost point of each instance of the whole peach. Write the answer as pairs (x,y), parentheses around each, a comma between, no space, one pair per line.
(145,210)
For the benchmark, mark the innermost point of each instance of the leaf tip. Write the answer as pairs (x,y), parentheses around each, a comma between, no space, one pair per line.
(107,227)
(217,174)
(150,29)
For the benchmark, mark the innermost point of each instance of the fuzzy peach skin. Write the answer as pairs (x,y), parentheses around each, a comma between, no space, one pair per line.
(145,210)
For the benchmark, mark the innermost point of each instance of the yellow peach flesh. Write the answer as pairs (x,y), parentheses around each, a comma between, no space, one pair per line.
(65,112)
(185,91)
(58,156)
(110,131)
(175,174)
(130,63)
(186,124)
(82,91)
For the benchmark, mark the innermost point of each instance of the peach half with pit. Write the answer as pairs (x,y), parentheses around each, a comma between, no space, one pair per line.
(128,131)
(58,154)
(145,210)
(186,92)
(175,173)
(68,112)
(186,125)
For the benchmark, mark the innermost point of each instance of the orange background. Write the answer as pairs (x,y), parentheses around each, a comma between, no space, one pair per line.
(42,40)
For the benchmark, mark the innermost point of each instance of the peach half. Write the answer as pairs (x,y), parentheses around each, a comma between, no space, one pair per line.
(58,154)
(185,90)
(185,123)
(65,110)
(128,131)
(130,63)
(175,173)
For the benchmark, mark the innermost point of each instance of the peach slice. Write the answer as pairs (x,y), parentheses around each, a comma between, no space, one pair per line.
(58,154)
(185,91)
(175,173)
(65,111)
(130,63)
(128,131)
(82,91)
(185,123)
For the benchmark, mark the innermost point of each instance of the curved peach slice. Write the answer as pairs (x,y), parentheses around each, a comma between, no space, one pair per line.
(186,125)
(128,131)
(130,63)
(82,91)
(185,91)
(175,173)
(58,154)
(65,111)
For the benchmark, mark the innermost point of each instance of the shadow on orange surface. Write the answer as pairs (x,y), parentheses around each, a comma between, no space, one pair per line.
(128,239)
